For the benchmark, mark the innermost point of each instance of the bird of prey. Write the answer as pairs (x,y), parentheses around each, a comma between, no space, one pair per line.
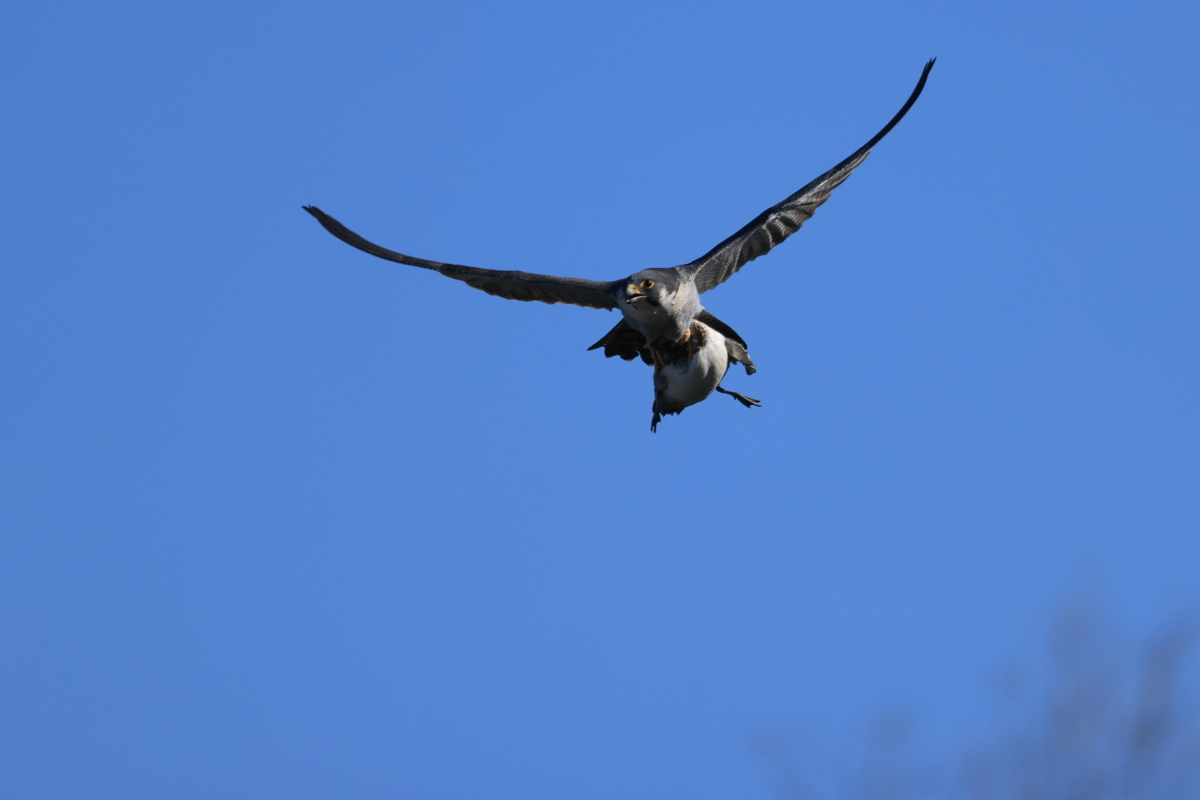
(662,320)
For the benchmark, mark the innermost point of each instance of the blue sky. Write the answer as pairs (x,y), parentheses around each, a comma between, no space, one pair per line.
(283,520)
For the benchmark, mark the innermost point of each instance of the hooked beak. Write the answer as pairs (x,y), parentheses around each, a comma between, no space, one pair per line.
(633,294)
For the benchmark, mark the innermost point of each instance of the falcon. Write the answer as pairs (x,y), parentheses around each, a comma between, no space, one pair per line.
(662,321)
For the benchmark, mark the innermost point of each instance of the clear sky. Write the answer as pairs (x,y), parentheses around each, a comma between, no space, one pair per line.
(278,519)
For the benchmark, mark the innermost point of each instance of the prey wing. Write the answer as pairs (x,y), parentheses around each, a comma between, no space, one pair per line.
(783,219)
(509,284)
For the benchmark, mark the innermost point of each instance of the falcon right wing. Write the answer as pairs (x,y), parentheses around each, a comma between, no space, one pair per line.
(510,285)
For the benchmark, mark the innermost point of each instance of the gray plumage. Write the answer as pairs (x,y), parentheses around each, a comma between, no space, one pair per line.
(663,321)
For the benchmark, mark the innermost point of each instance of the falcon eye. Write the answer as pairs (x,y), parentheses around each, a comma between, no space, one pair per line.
(647,284)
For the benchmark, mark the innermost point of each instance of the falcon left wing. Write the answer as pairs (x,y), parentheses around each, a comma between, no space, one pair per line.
(783,219)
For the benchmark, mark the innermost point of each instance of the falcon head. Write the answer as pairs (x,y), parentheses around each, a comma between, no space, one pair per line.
(658,303)
(652,288)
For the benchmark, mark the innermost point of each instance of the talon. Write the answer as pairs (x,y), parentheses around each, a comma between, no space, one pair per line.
(741,398)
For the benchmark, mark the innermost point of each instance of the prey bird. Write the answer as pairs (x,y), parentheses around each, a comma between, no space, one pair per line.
(662,321)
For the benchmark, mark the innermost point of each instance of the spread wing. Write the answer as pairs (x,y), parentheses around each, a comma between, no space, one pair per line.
(782,220)
(625,342)
(510,285)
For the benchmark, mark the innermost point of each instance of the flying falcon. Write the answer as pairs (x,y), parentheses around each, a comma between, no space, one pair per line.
(662,321)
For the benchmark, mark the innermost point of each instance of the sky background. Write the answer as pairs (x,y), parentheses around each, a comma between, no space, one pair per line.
(283,520)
